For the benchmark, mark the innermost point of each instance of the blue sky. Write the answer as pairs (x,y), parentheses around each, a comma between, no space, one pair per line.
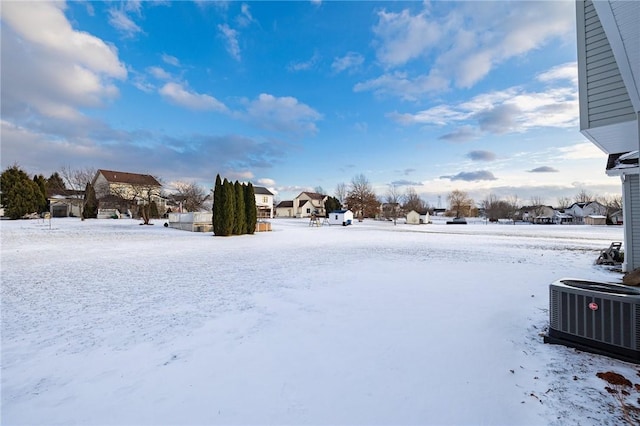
(436,96)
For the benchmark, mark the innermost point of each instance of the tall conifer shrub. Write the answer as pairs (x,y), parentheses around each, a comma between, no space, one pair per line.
(240,224)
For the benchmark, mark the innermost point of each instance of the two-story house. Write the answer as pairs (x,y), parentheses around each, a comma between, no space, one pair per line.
(264,202)
(123,191)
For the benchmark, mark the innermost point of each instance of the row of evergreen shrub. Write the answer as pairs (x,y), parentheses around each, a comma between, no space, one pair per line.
(234,208)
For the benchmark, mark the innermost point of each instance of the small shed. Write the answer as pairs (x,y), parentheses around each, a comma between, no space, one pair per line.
(341,217)
(418,217)
(413,217)
(595,219)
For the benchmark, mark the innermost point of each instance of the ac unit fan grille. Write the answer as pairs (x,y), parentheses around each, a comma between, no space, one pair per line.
(611,323)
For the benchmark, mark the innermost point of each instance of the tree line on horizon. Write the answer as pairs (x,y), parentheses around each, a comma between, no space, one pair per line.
(22,195)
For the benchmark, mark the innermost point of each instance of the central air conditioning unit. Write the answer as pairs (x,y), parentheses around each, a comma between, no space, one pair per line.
(602,318)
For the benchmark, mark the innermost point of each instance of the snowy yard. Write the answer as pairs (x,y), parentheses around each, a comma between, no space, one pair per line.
(105,322)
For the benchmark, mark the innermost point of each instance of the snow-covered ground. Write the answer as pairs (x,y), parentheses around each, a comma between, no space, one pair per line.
(108,322)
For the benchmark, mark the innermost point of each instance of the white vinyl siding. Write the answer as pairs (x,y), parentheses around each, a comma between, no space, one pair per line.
(604,96)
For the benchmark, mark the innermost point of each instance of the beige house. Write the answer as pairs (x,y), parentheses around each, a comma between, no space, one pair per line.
(123,191)
(308,203)
(285,209)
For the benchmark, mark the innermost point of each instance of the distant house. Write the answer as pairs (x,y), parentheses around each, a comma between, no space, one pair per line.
(121,191)
(305,204)
(562,218)
(264,202)
(285,209)
(581,210)
(617,217)
(537,214)
(67,204)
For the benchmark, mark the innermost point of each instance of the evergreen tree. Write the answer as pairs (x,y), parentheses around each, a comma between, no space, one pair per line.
(90,209)
(225,214)
(240,224)
(251,216)
(55,185)
(229,203)
(332,204)
(20,195)
(218,205)
(42,185)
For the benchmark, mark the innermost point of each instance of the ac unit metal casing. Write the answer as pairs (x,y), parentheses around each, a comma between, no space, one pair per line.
(597,317)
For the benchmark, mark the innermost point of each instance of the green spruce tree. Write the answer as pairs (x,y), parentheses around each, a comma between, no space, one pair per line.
(90,209)
(230,207)
(251,215)
(226,209)
(240,224)
(42,185)
(332,204)
(218,204)
(20,195)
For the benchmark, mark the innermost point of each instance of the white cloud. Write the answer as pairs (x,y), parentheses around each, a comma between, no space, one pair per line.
(121,21)
(159,73)
(400,84)
(245,18)
(284,114)
(49,67)
(581,151)
(307,65)
(231,37)
(511,110)
(171,60)
(350,61)
(404,37)
(460,47)
(177,94)
(568,71)
(267,182)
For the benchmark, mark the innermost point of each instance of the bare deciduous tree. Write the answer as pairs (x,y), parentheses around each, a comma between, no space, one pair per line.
(537,206)
(514,205)
(140,196)
(75,181)
(341,192)
(460,204)
(392,204)
(361,198)
(564,203)
(191,195)
(583,196)
(412,201)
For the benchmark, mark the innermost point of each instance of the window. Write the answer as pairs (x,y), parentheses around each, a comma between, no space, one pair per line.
(308,210)
(265,200)
(336,217)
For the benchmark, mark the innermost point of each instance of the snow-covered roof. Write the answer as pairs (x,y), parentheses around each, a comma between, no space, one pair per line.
(622,163)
